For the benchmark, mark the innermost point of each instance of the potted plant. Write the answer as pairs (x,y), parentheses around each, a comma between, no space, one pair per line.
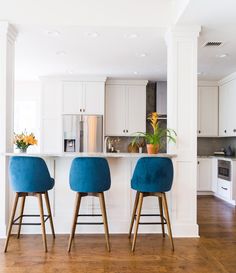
(24,140)
(155,139)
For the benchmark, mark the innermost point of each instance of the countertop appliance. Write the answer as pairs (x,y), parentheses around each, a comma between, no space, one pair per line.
(83,133)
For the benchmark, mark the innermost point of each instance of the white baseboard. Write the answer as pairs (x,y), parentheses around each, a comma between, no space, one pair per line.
(205,193)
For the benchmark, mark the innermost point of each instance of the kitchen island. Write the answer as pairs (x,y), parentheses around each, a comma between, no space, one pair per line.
(119,199)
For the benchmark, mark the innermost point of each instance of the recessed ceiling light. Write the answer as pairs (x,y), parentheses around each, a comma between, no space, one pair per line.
(135,72)
(53,33)
(92,34)
(70,71)
(131,36)
(222,55)
(60,53)
(143,55)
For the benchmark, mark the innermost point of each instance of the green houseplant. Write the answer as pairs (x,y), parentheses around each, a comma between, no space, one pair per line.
(155,139)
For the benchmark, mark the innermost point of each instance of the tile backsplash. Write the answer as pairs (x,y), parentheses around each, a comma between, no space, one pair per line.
(208,145)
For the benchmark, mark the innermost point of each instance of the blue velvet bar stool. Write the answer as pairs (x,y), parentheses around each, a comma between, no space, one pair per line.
(29,176)
(153,176)
(89,176)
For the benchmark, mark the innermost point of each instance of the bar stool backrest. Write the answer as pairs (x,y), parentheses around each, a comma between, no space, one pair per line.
(153,174)
(90,174)
(29,174)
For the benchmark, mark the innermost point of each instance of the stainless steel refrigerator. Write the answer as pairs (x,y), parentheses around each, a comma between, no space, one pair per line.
(83,133)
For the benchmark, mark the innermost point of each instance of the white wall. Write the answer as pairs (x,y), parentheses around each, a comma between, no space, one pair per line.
(27,109)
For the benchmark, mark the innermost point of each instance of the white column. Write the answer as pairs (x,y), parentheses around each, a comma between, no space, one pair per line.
(7,64)
(182,117)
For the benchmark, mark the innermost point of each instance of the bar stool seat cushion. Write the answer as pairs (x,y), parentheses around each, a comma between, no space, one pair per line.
(152,174)
(90,174)
(29,174)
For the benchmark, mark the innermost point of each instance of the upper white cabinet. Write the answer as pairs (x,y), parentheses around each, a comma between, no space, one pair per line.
(227,109)
(83,98)
(207,111)
(125,107)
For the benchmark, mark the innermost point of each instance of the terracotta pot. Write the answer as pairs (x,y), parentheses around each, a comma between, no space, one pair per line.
(152,149)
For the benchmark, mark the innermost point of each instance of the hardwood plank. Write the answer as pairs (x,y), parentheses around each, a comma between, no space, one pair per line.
(215,251)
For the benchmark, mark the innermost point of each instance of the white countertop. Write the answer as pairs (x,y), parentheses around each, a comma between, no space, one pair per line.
(233,158)
(107,155)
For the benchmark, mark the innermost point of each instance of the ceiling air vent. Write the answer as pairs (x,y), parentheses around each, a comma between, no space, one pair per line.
(212,44)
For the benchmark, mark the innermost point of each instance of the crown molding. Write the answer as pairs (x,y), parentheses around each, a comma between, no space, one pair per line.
(191,31)
(208,83)
(227,79)
(83,78)
(8,30)
(112,81)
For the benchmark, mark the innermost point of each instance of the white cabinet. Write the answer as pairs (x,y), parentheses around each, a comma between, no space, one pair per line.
(83,98)
(204,174)
(73,101)
(207,111)
(51,119)
(64,96)
(227,109)
(125,107)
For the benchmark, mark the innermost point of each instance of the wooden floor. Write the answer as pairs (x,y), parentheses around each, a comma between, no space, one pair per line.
(215,251)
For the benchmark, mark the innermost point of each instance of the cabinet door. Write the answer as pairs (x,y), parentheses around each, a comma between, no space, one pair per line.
(94,98)
(136,112)
(51,107)
(51,136)
(231,109)
(115,110)
(224,112)
(73,98)
(205,174)
(51,126)
(214,174)
(208,111)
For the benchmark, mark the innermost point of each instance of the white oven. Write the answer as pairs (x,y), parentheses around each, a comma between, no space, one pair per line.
(224,178)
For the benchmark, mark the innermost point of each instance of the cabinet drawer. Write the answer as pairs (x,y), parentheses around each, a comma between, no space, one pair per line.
(224,188)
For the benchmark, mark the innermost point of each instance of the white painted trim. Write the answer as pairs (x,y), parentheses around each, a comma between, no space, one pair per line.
(74,78)
(229,78)
(232,202)
(126,82)
(208,83)
(199,193)
(191,31)
(8,30)
(185,230)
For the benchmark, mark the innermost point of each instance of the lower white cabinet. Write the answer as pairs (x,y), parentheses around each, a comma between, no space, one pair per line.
(224,189)
(204,174)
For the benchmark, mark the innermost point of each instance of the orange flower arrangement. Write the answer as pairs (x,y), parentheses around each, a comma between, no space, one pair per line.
(24,140)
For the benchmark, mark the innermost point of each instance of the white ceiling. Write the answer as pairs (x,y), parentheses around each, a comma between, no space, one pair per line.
(218,20)
(111,54)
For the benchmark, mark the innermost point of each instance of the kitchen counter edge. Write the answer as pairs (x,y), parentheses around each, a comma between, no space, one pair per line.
(106,155)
